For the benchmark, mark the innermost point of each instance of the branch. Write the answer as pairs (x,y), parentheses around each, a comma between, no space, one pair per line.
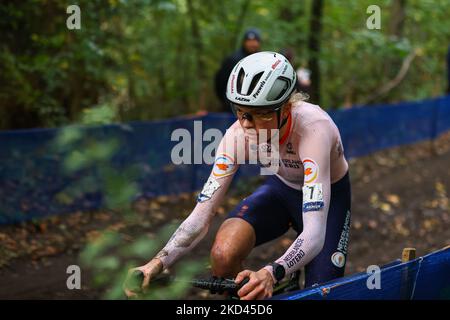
(406,64)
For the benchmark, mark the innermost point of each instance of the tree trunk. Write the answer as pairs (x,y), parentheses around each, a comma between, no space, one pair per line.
(295,43)
(239,23)
(398,16)
(314,49)
(396,27)
(198,47)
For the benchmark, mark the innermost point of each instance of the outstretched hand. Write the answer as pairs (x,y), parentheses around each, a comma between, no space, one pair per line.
(148,271)
(259,286)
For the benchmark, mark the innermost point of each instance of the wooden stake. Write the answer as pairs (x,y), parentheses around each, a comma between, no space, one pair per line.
(408,254)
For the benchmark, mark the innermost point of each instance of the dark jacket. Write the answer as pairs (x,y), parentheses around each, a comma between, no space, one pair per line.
(221,78)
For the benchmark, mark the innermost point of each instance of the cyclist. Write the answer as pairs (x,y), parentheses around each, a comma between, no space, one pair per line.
(309,190)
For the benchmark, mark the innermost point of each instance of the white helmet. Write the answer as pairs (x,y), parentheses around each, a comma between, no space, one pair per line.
(263,79)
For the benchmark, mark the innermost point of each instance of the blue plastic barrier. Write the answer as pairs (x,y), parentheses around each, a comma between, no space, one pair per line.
(424,278)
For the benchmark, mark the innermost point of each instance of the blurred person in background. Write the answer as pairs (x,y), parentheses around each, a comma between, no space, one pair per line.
(251,43)
(304,80)
(303,74)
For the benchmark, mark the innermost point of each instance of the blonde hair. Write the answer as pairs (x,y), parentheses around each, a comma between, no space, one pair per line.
(298,96)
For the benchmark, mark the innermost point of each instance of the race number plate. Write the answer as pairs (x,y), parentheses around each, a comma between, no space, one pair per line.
(208,190)
(312,197)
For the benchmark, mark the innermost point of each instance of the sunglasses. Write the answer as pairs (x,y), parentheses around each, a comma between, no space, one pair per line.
(259,115)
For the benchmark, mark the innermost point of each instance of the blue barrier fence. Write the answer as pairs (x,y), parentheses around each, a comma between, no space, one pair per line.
(32,184)
(424,278)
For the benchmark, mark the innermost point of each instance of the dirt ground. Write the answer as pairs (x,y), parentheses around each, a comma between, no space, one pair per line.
(400,199)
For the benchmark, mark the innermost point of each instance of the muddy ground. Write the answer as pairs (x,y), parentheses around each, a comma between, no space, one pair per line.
(400,199)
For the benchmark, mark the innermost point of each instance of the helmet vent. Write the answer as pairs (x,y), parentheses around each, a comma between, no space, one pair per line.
(240,79)
(279,88)
(254,82)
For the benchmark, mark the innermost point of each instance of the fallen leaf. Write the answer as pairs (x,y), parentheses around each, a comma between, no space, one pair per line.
(430,224)
(393,199)
(440,188)
(400,228)
(102,217)
(154,205)
(116,227)
(372,224)
(385,207)
(93,235)
(233,201)
(357,225)
(43,227)
(374,200)
(185,196)
(158,215)
(163,199)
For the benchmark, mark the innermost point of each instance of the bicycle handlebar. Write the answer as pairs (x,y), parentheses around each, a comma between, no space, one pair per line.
(219,285)
(213,284)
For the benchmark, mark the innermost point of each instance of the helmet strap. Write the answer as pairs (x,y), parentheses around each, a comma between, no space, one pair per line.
(281,123)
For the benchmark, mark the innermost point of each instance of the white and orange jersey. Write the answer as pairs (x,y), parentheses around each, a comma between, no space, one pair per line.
(311,139)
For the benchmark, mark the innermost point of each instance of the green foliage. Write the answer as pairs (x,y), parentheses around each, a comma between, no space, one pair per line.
(103,114)
(143,58)
(357,61)
(110,256)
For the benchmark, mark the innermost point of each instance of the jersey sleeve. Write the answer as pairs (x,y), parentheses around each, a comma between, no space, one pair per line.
(315,149)
(196,225)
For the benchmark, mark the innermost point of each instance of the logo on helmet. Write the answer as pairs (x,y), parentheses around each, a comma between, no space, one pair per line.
(259,89)
(276,64)
(242,99)
(232,83)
